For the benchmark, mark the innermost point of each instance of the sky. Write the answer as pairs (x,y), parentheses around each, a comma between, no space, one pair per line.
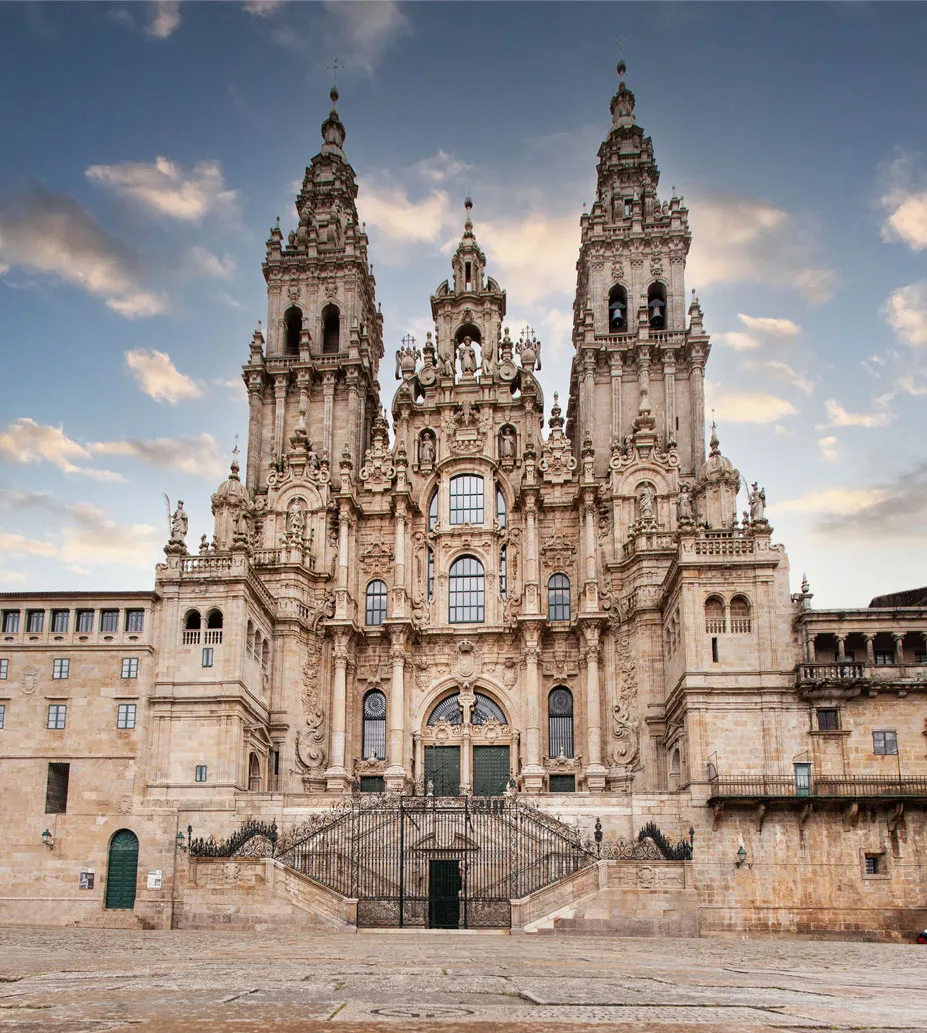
(150,146)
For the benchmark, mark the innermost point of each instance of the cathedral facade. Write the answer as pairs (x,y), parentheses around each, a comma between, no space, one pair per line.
(477,595)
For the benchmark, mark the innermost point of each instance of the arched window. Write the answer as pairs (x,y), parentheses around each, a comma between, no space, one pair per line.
(376,602)
(431,574)
(374,744)
(740,615)
(560,722)
(503,571)
(501,513)
(122,871)
(447,710)
(192,621)
(265,653)
(617,310)
(331,329)
(293,319)
(486,709)
(433,511)
(254,774)
(214,619)
(714,615)
(467,583)
(467,499)
(558,598)
(250,639)
(676,764)
(257,646)
(656,306)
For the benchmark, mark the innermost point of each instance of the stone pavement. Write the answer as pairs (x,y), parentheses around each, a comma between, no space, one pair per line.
(85,981)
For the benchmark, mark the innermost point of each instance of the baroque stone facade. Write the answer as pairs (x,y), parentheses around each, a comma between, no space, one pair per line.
(464,603)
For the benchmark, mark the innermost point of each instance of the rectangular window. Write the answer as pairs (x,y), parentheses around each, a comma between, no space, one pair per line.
(372,784)
(35,621)
(200,775)
(109,621)
(827,720)
(85,621)
(126,716)
(802,779)
(714,650)
(563,783)
(60,669)
(207,657)
(56,788)
(884,658)
(11,621)
(466,499)
(59,623)
(135,620)
(129,667)
(885,744)
(57,715)
(2,714)
(873,863)
(4,669)
(628,207)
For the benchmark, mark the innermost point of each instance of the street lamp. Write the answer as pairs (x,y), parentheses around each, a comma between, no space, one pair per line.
(741,856)
(48,839)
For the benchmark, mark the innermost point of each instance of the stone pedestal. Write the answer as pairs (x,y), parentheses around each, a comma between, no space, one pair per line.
(533,778)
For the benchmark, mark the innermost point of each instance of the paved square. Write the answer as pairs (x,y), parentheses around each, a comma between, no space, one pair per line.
(84,981)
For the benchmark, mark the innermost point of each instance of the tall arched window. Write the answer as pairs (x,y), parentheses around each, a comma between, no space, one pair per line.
(431,574)
(715,623)
(447,710)
(374,744)
(214,619)
(331,329)
(618,309)
(376,602)
(293,319)
(558,598)
(192,621)
(467,596)
(740,615)
(467,499)
(433,511)
(656,306)
(503,571)
(501,514)
(254,774)
(560,722)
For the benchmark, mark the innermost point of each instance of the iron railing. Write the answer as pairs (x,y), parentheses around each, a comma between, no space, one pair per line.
(752,787)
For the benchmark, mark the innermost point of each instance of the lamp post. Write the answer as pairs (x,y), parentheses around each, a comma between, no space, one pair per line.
(48,839)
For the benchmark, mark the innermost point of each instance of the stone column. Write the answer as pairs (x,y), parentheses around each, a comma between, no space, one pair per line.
(841,648)
(591,585)
(898,636)
(533,771)
(467,700)
(616,394)
(812,654)
(398,608)
(870,649)
(336,776)
(328,400)
(280,380)
(669,391)
(588,390)
(255,423)
(341,588)
(418,762)
(595,770)
(697,380)
(396,772)
(532,565)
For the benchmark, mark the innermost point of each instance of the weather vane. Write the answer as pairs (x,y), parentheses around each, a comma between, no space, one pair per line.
(335,68)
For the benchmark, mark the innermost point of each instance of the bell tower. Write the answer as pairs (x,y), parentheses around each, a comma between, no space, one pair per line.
(314,374)
(639,348)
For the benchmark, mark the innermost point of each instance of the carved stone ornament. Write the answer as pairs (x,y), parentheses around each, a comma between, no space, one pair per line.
(465,428)
(376,558)
(558,553)
(557,461)
(469,663)
(625,729)
(30,679)
(378,470)
(310,740)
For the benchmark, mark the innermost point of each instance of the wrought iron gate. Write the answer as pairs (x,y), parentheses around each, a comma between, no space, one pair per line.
(428,861)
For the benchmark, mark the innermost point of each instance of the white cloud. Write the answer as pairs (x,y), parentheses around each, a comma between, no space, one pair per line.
(738,340)
(49,234)
(402,221)
(769,325)
(26,441)
(734,406)
(95,540)
(906,313)
(779,370)
(738,240)
(159,378)
(895,510)
(439,167)
(532,256)
(364,29)
(194,454)
(829,450)
(164,188)
(262,8)
(833,500)
(12,577)
(20,545)
(837,416)
(904,197)
(165,18)
(205,263)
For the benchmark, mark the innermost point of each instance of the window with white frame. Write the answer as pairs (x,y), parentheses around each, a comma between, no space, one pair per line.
(2,715)
(466,499)
(558,598)
(467,591)
(125,716)
(200,773)
(60,669)
(375,609)
(4,669)
(57,716)
(207,656)
(884,743)
(130,667)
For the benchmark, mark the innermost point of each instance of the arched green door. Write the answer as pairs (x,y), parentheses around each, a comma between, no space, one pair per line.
(122,871)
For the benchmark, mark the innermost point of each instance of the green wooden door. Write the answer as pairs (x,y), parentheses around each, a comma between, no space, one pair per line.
(122,871)
(490,770)
(442,769)
(444,884)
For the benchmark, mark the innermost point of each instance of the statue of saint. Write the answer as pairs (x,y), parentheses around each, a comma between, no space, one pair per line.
(426,448)
(179,524)
(507,443)
(757,503)
(684,504)
(467,357)
(645,501)
(294,521)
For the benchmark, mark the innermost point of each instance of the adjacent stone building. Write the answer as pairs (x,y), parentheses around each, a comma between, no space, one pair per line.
(447,600)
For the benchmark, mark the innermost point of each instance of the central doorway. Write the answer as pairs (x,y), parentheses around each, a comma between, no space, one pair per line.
(444,886)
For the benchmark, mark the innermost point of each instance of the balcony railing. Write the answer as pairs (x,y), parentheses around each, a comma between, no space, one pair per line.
(212,636)
(781,787)
(842,671)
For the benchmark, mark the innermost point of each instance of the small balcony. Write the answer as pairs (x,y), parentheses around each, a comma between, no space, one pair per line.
(762,788)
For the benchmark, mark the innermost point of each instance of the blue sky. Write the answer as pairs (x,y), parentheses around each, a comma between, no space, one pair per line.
(149,147)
